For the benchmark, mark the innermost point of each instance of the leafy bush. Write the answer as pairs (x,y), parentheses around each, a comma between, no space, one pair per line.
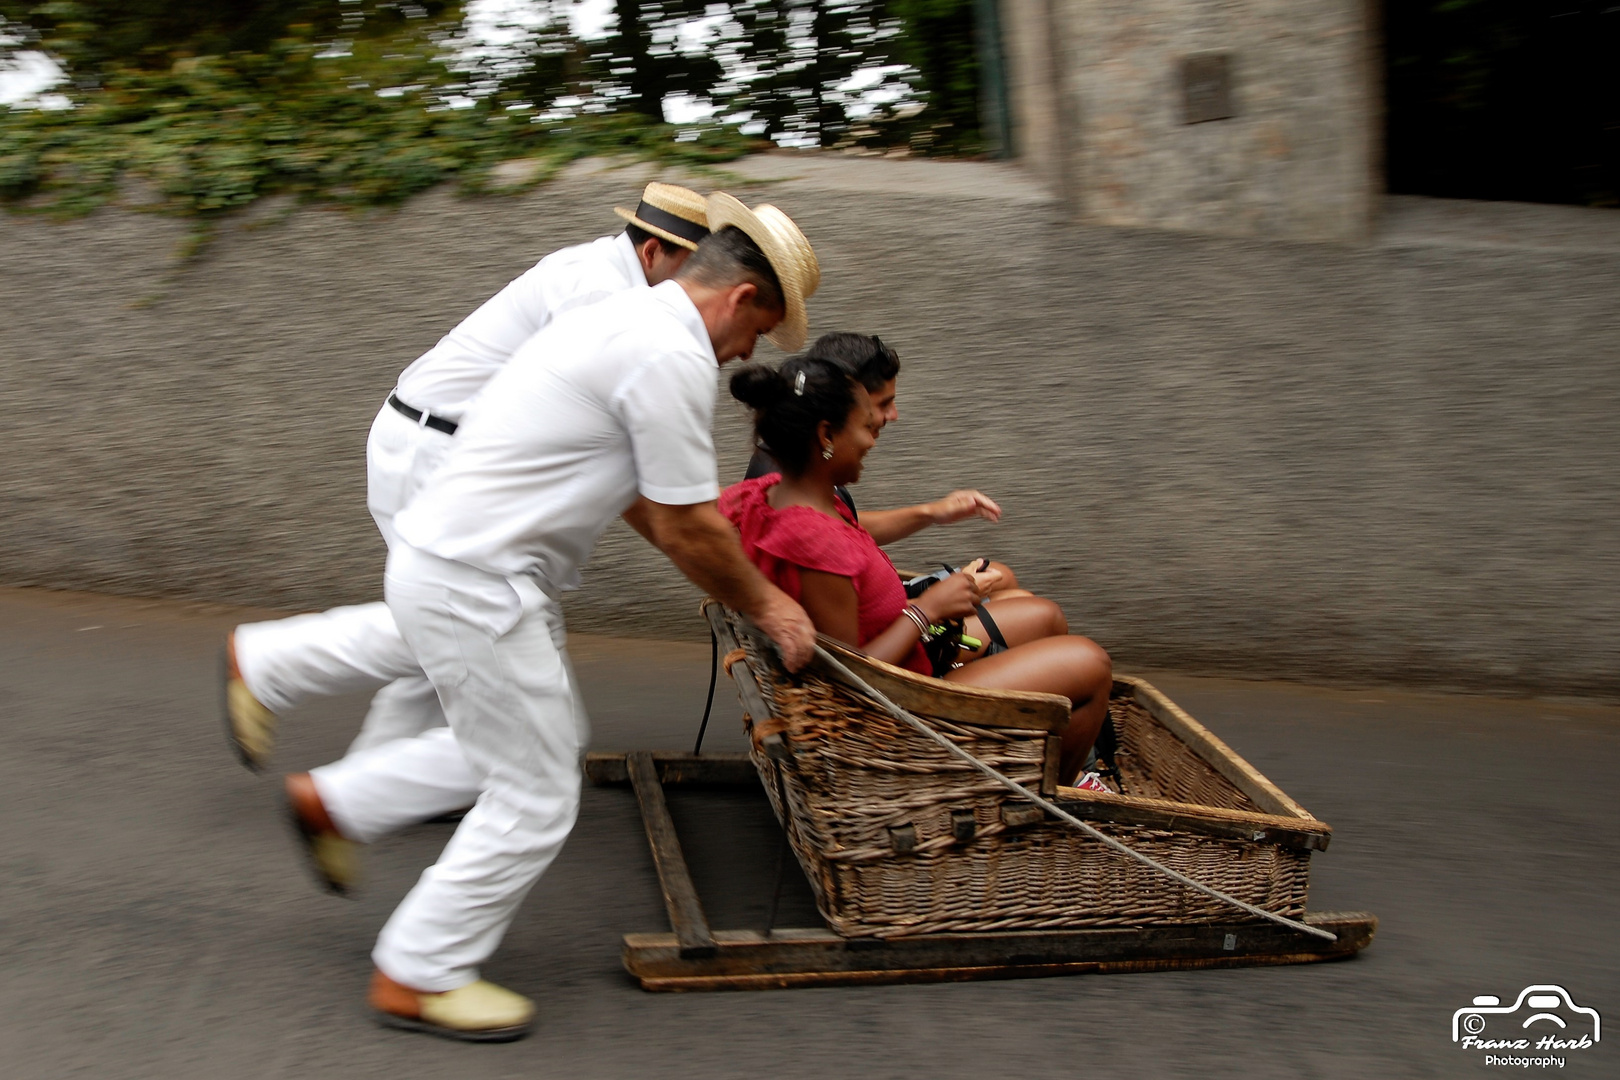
(213,133)
(212,106)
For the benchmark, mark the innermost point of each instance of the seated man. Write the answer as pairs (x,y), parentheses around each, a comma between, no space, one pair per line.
(818,423)
(876,367)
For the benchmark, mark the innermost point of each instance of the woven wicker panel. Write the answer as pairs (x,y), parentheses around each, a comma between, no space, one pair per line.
(856,775)
(1052,876)
(1154,764)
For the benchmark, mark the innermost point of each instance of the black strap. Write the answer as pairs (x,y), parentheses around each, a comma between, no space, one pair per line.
(1106,752)
(437,423)
(997,642)
(714,669)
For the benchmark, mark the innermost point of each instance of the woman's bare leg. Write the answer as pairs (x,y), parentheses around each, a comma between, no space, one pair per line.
(1075,667)
(1022,619)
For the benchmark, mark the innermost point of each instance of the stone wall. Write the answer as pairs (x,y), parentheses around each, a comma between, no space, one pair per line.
(1392,462)
(1098,101)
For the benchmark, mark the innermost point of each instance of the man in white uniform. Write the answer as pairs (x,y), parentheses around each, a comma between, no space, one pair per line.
(272,666)
(604,413)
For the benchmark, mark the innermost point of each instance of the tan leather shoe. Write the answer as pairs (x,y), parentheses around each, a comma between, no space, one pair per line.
(334,858)
(250,726)
(477,1012)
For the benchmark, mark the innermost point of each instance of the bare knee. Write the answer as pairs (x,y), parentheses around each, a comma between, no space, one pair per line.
(1100,666)
(1023,619)
(1051,615)
(1060,623)
(1091,668)
(1096,657)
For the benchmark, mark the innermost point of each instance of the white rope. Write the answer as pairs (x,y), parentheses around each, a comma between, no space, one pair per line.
(1057,811)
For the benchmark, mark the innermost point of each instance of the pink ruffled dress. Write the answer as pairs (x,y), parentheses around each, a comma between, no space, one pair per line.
(783,542)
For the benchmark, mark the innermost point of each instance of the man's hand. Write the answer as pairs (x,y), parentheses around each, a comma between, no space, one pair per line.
(704,546)
(959,505)
(790,627)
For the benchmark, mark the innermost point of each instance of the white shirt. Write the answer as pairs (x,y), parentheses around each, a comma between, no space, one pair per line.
(607,402)
(445,379)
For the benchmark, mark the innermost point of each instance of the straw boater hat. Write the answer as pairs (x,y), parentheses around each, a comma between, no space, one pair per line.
(791,257)
(671,213)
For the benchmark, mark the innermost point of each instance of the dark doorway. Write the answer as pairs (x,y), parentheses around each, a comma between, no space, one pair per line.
(1504,99)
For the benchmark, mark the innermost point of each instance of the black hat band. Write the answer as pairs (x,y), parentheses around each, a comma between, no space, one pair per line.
(670,223)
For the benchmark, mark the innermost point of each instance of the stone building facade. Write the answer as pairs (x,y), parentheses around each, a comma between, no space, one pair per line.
(1253,118)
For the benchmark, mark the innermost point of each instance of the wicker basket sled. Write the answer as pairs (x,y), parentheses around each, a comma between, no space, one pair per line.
(925,869)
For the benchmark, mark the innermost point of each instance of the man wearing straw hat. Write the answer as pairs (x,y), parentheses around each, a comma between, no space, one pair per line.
(604,413)
(272,666)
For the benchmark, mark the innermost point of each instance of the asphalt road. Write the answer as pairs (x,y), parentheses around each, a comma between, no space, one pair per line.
(155,920)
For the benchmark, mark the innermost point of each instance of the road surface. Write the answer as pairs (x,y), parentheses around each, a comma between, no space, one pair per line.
(156,920)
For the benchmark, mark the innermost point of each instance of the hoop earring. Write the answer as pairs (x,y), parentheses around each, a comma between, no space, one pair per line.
(827,452)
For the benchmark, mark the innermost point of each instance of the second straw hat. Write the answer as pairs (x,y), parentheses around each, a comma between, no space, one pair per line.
(670,212)
(790,255)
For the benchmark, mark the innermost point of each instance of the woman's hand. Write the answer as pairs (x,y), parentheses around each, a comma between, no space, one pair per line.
(986,580)
(953,598)
(959,505)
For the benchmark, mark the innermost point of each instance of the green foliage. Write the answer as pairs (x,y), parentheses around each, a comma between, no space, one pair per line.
(92,35)
(641,59)
(207,107)
(939,43)
(214,133)
(800,52)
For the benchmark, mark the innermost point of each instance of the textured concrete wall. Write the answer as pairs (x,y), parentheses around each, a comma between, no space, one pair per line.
(1097,90)
(1394,462)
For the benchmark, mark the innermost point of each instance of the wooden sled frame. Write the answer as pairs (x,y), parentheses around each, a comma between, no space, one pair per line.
(695,957)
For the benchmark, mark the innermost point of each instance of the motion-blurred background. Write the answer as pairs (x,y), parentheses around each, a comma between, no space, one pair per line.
(1284,330)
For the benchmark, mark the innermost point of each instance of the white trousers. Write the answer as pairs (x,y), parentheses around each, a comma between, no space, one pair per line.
(515,739)
(372,792)
(349,649)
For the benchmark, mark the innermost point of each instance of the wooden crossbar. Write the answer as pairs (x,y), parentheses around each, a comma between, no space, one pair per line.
(750,960)
(686,916)
(721,770)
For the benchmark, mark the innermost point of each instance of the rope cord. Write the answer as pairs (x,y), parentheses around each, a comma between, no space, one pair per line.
(1052,808)
(714,669)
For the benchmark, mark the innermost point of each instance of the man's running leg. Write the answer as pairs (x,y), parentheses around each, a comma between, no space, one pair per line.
(375,792)
(340,651)
(511,702)
(401,710)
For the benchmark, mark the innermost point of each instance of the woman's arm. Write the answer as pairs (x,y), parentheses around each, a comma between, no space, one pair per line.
(887,526)
(831,603)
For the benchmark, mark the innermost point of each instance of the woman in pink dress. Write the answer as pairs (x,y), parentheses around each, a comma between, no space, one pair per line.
(818,423)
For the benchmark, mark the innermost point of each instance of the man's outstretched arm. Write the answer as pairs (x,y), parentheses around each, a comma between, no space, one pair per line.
(887,526)
(703,545)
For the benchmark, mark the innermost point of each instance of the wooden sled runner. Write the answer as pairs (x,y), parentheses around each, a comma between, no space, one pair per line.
(924,871)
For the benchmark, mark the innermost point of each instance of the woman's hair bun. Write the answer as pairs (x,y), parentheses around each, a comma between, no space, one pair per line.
(759,386)
(791,402)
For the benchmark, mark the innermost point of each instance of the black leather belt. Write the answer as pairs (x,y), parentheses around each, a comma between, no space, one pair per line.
(437,423)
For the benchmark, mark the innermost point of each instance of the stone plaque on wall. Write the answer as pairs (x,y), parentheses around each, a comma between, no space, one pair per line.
(1206,87)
